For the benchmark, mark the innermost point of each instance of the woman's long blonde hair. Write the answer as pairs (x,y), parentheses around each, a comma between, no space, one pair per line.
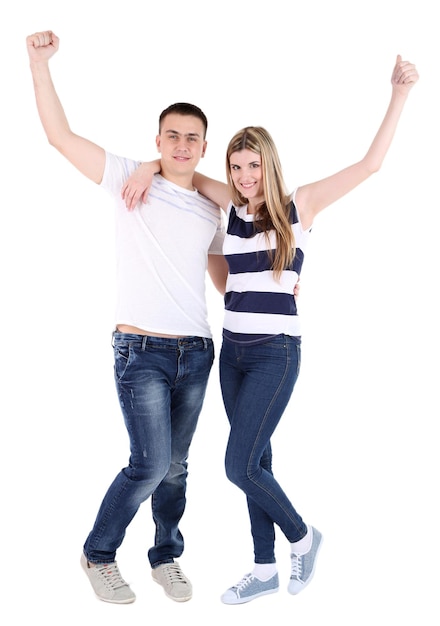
(273,213)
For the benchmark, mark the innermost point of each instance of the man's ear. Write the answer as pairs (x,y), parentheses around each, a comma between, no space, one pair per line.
(158,142)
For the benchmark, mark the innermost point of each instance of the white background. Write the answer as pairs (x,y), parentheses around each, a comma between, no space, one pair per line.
(358,447)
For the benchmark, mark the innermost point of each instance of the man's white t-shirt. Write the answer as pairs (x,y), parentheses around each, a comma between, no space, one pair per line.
(162,250)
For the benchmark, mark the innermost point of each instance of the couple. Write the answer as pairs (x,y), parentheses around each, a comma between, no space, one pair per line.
(163,347)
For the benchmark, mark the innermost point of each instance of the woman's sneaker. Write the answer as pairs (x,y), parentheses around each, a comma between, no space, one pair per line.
(303,565)
(250,588)
(107,582)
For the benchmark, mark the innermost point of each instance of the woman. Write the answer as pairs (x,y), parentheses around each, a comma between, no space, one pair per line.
(267,232)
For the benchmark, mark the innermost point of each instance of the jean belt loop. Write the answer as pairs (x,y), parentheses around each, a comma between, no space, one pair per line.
(144,342)
(205,343)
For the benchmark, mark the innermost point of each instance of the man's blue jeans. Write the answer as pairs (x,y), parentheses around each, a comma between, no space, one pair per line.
(257,382)
(161,384)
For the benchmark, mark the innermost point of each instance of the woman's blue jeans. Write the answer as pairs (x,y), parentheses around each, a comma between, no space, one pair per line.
(257,382)
(161,384)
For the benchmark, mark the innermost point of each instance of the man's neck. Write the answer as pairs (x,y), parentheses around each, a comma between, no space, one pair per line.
(182,180)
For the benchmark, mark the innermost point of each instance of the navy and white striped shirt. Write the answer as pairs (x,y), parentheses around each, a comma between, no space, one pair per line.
(258,307)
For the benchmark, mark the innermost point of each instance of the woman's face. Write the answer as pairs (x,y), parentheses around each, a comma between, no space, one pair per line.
(247,174)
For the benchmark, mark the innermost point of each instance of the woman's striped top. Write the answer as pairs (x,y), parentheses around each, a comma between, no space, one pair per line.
(257,307)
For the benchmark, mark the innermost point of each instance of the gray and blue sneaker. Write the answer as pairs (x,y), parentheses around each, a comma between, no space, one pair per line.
(303,565)
(250,588)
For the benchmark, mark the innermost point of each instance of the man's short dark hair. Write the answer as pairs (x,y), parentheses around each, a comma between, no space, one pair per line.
(184,108)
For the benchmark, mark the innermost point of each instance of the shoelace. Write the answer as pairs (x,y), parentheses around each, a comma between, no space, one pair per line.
(244,582)
(174,574)
(296,566)
(111,575)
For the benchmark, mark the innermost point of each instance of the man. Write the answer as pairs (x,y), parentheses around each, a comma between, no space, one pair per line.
(162,341)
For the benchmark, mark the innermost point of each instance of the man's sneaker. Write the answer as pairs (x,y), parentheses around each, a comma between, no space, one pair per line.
(250,588)
(174,582)
(107,582)
(303,565)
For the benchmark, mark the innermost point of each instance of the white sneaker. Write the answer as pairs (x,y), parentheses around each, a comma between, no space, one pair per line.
(174,582)
(107,582)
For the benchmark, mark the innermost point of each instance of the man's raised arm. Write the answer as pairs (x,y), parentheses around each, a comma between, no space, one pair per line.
(86,156)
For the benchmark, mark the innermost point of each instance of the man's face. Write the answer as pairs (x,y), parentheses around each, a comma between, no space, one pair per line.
(181,144)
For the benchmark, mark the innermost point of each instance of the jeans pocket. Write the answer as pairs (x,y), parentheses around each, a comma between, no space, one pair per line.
(122,359)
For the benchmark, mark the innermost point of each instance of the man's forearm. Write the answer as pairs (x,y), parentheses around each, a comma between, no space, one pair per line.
(49,107)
